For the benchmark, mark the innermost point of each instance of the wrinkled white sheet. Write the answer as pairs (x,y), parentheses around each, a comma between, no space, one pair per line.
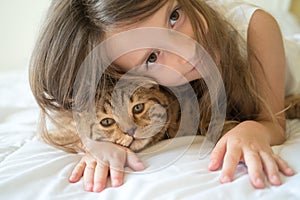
(31,169)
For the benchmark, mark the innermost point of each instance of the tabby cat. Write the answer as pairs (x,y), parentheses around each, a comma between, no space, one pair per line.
(138,120)
(150,114)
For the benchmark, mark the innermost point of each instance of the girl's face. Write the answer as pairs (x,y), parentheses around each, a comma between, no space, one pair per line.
(165,67)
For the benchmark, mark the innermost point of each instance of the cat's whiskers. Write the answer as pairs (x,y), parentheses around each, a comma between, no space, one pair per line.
(155,126)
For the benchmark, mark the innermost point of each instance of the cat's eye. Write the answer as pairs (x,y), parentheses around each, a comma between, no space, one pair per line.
(137,109)
(107,122)
(174,17)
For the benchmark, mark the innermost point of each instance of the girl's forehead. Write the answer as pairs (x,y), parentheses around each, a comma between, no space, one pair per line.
(158,19)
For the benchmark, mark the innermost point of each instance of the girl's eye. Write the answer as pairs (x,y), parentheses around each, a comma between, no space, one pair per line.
(107,122)
(137,109)
(152,58)
(174,17)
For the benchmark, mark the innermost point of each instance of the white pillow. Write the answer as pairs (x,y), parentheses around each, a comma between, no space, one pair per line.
(292,50)
(288,23)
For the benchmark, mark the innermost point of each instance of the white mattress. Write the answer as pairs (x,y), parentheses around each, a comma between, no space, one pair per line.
(31,169)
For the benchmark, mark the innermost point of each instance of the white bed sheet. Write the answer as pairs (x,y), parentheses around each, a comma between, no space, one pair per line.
(31,169)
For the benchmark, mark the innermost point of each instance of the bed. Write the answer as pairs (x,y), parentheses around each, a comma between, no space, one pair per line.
(31,169)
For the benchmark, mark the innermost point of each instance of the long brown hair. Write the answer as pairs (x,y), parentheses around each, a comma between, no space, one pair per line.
(73,28)
(227,48)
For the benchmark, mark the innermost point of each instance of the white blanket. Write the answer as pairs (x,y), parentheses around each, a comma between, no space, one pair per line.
(31,169)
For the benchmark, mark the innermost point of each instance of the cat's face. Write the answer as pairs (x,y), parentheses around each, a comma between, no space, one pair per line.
(133,121)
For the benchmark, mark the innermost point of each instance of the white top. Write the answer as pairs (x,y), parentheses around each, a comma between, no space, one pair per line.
(239,13)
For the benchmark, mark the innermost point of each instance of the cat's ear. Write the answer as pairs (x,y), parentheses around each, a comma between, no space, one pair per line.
(151,85)
(85,117)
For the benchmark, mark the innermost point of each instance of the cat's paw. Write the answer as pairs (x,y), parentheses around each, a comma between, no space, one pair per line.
(125,141)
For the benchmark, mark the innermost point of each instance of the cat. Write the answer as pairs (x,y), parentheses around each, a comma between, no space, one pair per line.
(138,120)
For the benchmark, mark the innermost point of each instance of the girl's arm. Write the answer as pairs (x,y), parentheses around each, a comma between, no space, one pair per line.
(269,65)
(251,141)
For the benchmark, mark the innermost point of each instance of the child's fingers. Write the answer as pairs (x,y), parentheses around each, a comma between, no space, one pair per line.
(100,177)
(283,166)
(77,172)
(134,162)
(271,168)
(217,155)
(255,168)
(116,177)
(231,160)
(88,175)
(272,165)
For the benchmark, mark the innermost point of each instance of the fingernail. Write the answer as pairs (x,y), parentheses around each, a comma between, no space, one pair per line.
(140,165)
(116,183)
(212,164)
(88,188)
(72,177)
(275,179)
(259,183)
(97,188)
(225,179)
(290,171)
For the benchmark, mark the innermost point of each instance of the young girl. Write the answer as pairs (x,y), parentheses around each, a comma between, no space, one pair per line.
(254,79)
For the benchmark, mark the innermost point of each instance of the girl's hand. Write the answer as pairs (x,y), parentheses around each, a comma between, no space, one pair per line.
(111,159)
(247,142)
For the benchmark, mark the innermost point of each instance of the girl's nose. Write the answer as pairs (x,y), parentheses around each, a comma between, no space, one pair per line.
(172,60)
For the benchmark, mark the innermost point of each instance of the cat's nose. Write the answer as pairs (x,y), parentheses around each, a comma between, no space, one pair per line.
(130,131)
